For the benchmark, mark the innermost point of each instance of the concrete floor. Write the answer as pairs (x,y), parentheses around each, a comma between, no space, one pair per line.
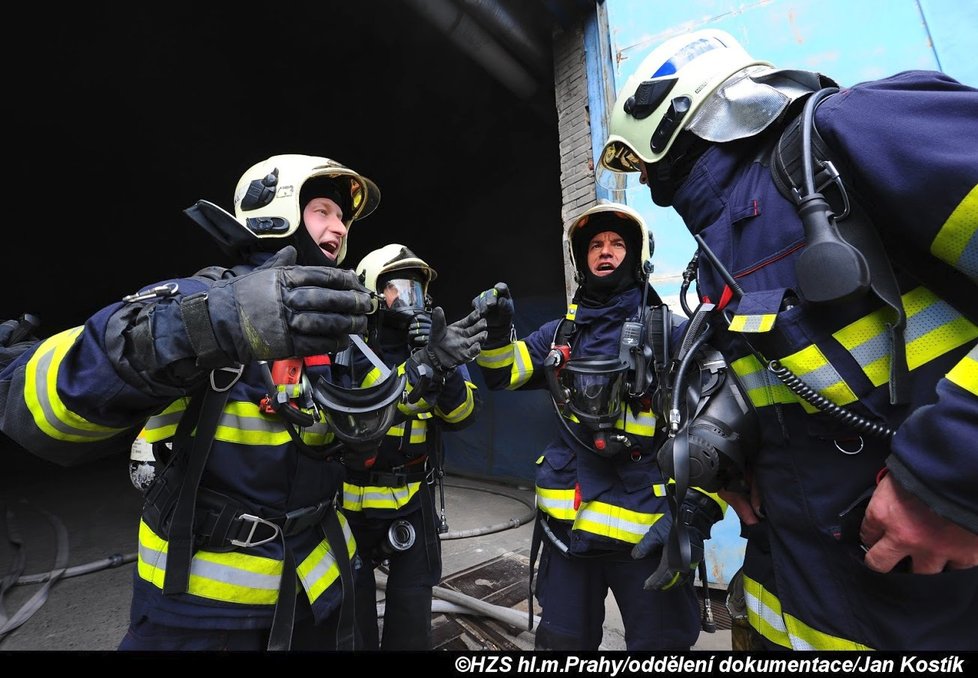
(94,510)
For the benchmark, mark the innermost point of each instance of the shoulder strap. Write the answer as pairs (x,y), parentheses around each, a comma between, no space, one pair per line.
(788,166)
(944,280)
(181,533)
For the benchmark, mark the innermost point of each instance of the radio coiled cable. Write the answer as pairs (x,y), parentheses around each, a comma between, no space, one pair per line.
(817,400)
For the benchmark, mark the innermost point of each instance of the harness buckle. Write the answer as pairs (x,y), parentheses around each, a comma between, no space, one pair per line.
(255,522)
(306,516)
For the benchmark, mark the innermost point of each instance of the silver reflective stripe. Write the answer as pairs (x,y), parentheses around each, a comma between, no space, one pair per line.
(615,525)
(46,376)
(522,366)
(822,378)
(927,320)
(320,570)
(214,571)
(871,350)
(772,618)
(557,507)
(762,378)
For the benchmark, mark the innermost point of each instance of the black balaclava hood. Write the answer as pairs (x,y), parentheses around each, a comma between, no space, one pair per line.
(666,176)
(308,253)
(598,289)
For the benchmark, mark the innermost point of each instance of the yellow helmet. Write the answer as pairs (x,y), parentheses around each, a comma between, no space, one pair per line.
(661,98)
(267,202)
(607,216)
(377,268)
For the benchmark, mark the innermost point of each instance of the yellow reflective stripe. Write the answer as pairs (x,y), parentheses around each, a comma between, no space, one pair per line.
(753,323)
(373,376)
(957,241)
(319,570)
(571,312)
(659,489)
(642,424)
(763,388)
(41,394)
(244,423)
(164,425)
(405,407)
(715,497)
(419,431)
(229,577)
(463,410)
(765,615)
(965,373)
(378,497)
(804,637)
(515,355)
(522,368)
(608,520)
(557,503)
(817,372)
(496,358)
(933,329)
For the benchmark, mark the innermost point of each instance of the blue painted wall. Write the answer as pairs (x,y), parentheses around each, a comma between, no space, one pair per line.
(848,40)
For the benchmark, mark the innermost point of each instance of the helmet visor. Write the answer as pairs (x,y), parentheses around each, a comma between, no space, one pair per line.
(619,157)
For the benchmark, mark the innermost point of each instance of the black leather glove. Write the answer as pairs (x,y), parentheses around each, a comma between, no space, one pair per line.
(452,345)
(419,329)
(279,310)
(16,336)
(496,306)
(698,512)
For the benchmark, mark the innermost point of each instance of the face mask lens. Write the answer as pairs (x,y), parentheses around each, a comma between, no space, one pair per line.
(400,293)
(595,387)
(360,417)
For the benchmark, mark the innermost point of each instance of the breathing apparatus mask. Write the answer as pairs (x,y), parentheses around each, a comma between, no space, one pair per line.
(712,425)
(596,390)
(404,296)
(361,417)
(400,278)
(591,390)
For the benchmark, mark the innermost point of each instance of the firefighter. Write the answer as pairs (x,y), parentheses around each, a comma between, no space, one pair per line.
(603,514)
(851,316)
(388,494)
(241,543)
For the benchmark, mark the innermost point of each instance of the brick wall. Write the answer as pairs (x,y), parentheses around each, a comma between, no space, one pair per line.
(573,123)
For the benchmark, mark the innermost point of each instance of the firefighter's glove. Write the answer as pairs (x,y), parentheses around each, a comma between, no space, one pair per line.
(496,306)
(279,310)
(452,345)
(698,513)
(419,330)
(16,336)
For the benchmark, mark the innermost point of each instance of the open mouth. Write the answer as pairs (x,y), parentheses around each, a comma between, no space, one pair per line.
(329,248)
(606,267)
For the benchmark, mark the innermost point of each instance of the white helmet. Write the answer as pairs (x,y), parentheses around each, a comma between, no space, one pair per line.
(376,269)
(267,203)
(606,217)
(661,98)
